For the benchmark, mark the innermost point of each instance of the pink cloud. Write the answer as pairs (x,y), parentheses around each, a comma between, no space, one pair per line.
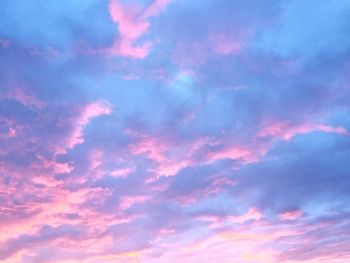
(190,54)
(12,128)
(231,153)
(285,131)
(158,150)
(167,231)
(224,45)
(122,172)
(156,7)
(214,220)
(171,167)
(55,202)
(153,148)
(95,158)
(90,111)
(169,157)
(126,47)
(132,25)
(243,244)
(128,201)
(252,214)
(218,183)
(23,95)
(247,153)
(291,215)
(129,25)
(56,167)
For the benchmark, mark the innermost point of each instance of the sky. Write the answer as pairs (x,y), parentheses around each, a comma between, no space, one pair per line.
(166,131)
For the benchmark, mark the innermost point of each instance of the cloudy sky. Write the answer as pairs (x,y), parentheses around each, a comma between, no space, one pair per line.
(166,131)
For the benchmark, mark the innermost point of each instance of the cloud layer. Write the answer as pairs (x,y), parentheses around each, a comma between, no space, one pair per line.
(170,130)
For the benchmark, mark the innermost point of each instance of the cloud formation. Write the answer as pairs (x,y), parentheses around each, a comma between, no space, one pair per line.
(172,130)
